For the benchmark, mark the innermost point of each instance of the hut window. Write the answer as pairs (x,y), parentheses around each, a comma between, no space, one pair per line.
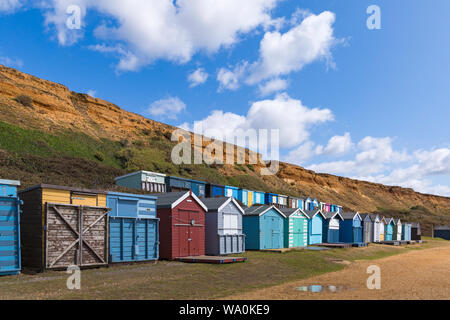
(230,223)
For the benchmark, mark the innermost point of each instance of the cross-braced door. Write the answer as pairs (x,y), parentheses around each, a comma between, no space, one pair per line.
(75,235)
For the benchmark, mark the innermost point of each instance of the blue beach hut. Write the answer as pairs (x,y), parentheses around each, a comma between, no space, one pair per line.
(263,227)
(315,226)
(331,227)
(351,228)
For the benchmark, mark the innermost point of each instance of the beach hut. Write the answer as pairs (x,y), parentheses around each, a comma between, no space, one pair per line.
(133,227)
(397,230)
(376,227)
(315,225)
(177,184)
(231,191)
(382,228)
(367,225)
(351,228)
(416,233)
(295,228)
(389,229)
(282,201)
(64,226)
(258,197)
(181,224)
(271,199)
(143,180)
(442,232)
(406,231)
(263,227)
(292,202)
(338,208)
(331,227)
(224,231)
(214,190)
(311,204)
(10,261)
(246,197)
(325,207)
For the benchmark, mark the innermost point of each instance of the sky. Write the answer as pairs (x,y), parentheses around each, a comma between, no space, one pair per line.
(365,103)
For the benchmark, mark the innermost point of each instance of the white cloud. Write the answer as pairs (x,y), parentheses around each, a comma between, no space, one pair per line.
(92,93)
(197,77)
(230,79)
(165,29)
(338,145)
(10,6)
(11,62)
(281,54)
(167,108)
(289,115)
(271,86)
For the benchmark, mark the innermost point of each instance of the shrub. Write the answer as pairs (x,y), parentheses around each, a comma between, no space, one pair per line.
(25,100)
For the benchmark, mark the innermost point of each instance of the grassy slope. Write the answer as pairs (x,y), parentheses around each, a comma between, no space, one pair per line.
(173,280)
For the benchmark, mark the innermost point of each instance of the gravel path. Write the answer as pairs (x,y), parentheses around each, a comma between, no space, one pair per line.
(418,274)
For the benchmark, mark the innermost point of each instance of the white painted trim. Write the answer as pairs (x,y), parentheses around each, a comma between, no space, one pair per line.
(10,182)
(141,172)
(231,199)
(198,201)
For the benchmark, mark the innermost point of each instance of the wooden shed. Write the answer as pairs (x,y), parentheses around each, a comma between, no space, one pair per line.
(231,191)
(10,261)
(214,190)
(382,228)
(331,227)
(181,224)
(295,228)
(368,227)
(416,233)
(389,229)
(133,227)
(351,228)
(315,225)
(271,199)
(377,229)
(258,197)
(246,197)
(293,202)
(143,180)
(224,231)
(62,226)
(406,231)
(397,230)
(177,184)
(442,232)
(263,228)
(282,201)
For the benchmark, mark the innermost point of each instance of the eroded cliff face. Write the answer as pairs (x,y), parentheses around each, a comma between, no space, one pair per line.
(55,108)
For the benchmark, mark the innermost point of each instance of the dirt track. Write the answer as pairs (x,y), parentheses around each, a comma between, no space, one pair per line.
(421,274)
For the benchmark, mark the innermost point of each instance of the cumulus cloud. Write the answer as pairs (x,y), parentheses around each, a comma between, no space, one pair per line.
(165,29)
(281,54)
(289,115)
(197,77)
(167,108)
(271,86)
(311,38)
(230,79)
(9,6)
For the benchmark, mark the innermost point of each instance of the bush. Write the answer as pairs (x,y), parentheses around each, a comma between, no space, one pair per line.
(25,100)
(99,156)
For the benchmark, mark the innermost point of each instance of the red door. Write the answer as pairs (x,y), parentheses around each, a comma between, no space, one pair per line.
(183,237)
(195,236)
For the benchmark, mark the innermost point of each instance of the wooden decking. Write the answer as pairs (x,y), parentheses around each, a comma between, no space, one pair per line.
(212,259)
(335,245)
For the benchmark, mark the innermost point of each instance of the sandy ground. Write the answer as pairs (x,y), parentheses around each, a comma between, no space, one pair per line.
(421,274)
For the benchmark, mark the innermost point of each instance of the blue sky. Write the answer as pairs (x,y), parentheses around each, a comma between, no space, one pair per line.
(367,104)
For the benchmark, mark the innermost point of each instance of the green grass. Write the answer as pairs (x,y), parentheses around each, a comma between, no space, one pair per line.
(173,280)
(20,141)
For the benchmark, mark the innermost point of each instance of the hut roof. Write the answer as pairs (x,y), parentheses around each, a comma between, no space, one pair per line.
(216,204)
(350,215)
(172,199)
(260,210)
(311,213)
(290,211)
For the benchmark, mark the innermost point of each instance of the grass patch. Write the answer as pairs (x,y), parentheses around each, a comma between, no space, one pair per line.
(173,280)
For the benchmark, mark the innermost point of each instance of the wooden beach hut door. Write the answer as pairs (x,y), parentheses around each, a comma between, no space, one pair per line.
(276,233)
(75,235)
(9,235)
(189,233)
